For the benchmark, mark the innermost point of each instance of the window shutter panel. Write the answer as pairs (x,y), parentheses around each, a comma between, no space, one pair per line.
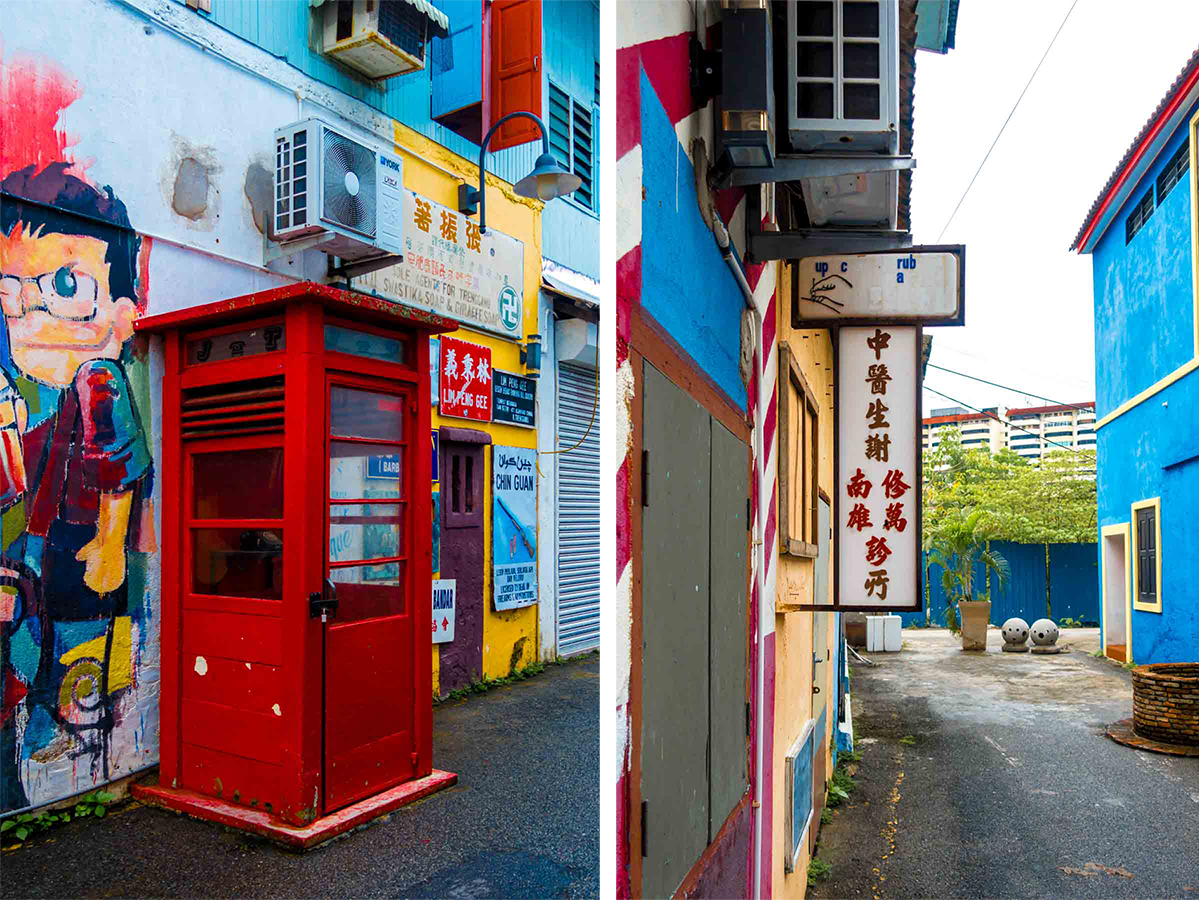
(457,61)
(515,69)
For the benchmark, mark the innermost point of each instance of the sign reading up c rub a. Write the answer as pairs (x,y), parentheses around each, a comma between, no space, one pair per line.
(922,285)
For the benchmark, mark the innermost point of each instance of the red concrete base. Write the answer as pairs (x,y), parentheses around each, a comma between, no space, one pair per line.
(212,809)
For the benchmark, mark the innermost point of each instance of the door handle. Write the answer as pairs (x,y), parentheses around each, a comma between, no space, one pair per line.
(322,603)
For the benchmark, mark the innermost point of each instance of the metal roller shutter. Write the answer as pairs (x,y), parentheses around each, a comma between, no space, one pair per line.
(578,571)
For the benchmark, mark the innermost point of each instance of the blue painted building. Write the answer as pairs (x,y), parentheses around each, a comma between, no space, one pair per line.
(1141,234)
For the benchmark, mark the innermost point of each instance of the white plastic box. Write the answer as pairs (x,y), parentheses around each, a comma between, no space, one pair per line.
(883,634)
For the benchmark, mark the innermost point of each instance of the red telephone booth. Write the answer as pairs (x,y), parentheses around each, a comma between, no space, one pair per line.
(296,553)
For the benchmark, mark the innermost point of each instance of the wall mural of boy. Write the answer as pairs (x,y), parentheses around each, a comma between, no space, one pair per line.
(76,473)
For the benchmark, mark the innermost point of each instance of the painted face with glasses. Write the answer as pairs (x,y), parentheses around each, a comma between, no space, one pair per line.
(57,305)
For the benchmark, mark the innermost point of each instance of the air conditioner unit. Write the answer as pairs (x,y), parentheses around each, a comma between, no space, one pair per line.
(843,74)
(380,38)
(328,182)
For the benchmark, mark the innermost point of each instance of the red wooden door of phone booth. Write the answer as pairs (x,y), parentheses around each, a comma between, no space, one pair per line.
(370,710)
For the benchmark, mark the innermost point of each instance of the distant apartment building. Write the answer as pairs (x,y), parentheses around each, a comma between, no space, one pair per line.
(1031,431)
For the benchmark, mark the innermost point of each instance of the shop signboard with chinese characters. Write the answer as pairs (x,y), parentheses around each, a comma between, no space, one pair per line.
(877,507)
(514,526)
(454,270)
(465,380)
(916,285)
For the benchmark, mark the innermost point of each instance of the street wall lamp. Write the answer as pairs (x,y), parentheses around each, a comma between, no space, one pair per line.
(547,180)
(530,355)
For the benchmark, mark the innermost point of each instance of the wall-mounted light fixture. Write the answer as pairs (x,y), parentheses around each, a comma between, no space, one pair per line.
(547,180)
(746,137)
(530,355)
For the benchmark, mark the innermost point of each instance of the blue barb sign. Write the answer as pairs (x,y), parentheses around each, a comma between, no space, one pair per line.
(514,527)
(387,466)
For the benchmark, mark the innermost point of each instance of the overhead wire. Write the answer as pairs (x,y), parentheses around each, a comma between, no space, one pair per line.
(997,419)
(1008,388)
(1005,121)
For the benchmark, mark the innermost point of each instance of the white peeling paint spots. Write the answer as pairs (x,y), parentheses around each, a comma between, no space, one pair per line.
(247,665)
(623,651)
(201,666)
(276,710)
(625,390)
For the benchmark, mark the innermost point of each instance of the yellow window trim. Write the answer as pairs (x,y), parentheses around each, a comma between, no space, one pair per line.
(1156,504)
(1120,530)
(1192,364)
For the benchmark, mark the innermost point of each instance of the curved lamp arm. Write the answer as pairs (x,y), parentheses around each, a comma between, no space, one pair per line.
(470,196)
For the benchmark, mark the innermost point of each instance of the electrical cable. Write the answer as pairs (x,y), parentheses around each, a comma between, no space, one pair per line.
(1005,121)
(1007,388)
(997,419)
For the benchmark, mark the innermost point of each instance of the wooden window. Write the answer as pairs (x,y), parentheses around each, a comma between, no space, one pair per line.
(1147,569)
(1139,216)
(515,69)
(1178,166)
(799,459)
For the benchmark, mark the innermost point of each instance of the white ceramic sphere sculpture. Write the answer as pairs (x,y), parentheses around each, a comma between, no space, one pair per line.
(1044,632)
(1015,631)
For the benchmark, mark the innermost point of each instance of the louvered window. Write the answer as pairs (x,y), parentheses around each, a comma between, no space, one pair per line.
(1139,216)
(572,142)
(241,407)
(1175,169)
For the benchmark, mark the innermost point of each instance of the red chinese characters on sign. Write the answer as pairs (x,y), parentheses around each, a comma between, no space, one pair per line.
(465,380)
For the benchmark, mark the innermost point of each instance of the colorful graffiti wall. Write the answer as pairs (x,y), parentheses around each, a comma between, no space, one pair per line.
(77,630)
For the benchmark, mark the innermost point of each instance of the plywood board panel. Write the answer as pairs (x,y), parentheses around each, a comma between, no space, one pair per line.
(674,615)
(729,567)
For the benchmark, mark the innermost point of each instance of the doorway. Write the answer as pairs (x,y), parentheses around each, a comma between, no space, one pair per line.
(1116,592)
(462,557)
(370,704)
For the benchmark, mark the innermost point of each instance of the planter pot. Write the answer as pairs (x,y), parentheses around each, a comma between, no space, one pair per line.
(975,616)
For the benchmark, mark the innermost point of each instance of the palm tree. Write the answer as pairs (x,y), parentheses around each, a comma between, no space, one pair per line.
(957,543)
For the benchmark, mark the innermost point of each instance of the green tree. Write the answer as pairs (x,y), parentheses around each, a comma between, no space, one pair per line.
(960,541)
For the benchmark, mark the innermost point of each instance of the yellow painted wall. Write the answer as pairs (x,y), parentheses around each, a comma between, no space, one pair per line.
(794,631)
(520,218)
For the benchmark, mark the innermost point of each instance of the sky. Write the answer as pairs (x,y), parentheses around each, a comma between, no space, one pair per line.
(1029,301)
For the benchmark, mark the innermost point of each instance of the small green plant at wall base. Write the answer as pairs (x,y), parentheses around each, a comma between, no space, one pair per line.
(818,870)
(1068,622)
(826,816)
(1130,665)
(1098,654)
(908,739)
(19,828)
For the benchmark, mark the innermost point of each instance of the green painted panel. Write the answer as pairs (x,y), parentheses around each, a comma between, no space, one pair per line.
(729,566)
(674,623)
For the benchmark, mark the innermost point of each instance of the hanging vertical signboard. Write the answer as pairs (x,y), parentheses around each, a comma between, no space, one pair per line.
(465,380)
(514,527)
(878,469)
(445,600)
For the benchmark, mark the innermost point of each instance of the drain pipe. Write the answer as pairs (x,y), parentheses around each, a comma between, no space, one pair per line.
(721,234)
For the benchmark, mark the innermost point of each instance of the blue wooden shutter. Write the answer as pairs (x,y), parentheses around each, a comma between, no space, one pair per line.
(457,61)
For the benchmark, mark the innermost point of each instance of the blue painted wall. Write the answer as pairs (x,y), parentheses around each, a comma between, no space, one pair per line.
(281,27)
(1144,311)
(1073,586)
(1144,329)
(685,285)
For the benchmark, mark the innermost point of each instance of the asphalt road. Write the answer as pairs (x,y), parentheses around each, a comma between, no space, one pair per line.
(523,821)
(989,775)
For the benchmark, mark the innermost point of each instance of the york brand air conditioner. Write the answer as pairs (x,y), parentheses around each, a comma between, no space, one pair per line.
(843,74)
(328,182)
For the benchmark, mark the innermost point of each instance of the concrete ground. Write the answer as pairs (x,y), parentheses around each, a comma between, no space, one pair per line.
(988,775)
(523,821)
